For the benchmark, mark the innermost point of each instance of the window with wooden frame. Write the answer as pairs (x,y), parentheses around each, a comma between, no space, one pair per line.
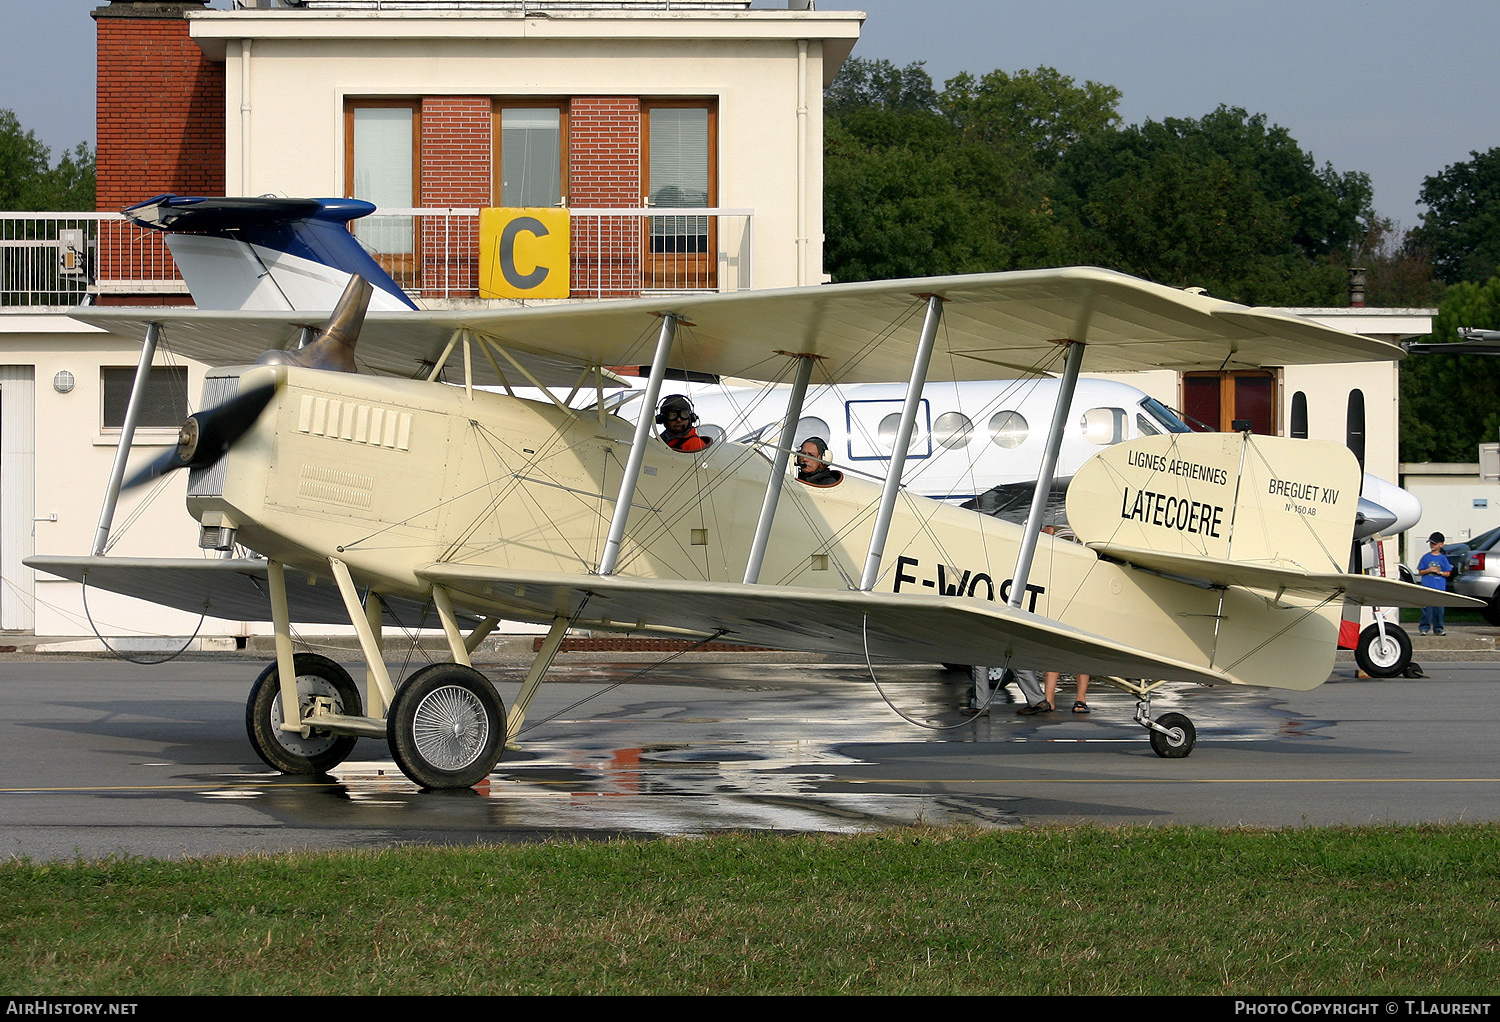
(531,152)
(679,169)
(382,164)
(1213,401)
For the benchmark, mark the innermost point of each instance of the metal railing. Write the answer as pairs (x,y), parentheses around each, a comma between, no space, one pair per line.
(64,259)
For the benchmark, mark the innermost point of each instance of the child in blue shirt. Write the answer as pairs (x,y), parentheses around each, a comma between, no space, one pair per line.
(1434,570)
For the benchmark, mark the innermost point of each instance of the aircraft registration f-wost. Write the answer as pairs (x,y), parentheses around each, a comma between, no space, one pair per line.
(1206,558)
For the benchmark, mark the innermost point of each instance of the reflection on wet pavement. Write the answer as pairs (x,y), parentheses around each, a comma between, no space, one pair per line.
(670,755)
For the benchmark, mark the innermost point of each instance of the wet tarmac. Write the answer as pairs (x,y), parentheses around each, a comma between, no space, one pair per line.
(99,757)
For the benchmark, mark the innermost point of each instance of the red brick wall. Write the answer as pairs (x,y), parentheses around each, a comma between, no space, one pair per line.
(160,115)
(457,153)
(604,169)
(160,129)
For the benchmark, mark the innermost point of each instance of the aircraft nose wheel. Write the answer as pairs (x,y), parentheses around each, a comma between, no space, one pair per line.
(319,680)
(446,727)
(1383,656)
(1176,737)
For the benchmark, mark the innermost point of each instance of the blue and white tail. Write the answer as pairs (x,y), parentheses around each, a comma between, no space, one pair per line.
(268,254)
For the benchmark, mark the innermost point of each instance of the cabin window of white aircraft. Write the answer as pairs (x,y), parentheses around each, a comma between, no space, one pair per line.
(1008,429)
(811,425)
(163,406)
(1104,426)
(952,430)
(531,153)
(873,426)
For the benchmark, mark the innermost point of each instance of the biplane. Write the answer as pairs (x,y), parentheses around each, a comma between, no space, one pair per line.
(370,472)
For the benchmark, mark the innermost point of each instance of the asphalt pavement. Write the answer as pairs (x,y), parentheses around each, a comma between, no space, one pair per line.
(100,757)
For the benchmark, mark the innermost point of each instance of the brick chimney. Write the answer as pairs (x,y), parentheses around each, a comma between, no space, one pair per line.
(160,105)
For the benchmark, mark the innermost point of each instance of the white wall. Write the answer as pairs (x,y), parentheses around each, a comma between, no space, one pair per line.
(72,459)
(287,78)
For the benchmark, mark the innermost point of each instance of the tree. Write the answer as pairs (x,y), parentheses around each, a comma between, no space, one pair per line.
(1032,115)
(1227,202)
(920,182)
(1399,270)
(1451,403)
(1462,222)
(28,181)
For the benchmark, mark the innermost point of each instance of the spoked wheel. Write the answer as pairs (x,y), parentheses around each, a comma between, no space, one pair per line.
(1179,739)
(318,678)
(1383,656)
(446,727)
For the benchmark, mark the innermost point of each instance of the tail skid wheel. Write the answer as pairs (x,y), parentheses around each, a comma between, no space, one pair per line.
(316,752)
(446,727)
(1177,739)
(1383,656)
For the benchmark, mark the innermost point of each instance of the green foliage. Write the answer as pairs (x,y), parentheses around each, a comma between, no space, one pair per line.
(1226,203)
(1451,403)
(1031,116)
(1462,225)
(1398,270)
(920,182)
(1027,169)
(29,181)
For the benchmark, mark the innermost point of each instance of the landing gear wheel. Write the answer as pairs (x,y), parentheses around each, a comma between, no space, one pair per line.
(1383,658)
(318,678)
(1179,738)
(446,727)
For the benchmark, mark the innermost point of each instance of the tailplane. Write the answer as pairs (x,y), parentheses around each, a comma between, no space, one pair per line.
(268,254)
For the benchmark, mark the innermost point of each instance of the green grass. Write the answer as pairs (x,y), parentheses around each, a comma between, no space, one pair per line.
(1038,911)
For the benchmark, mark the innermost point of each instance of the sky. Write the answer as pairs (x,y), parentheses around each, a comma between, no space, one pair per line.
(1399,89)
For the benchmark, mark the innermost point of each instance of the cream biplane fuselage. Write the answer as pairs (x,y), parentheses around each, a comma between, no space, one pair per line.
(1212,558)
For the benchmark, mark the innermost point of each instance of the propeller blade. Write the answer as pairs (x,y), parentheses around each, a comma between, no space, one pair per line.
(219,428)
(207,435)
(166,462)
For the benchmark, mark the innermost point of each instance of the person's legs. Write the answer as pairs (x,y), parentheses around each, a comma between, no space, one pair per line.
(1031,688)
(1082,698)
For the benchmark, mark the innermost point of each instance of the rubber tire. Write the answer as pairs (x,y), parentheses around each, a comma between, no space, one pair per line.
(1387,661)
(443,690)
(288,752)
(1491,610)
(1168,747)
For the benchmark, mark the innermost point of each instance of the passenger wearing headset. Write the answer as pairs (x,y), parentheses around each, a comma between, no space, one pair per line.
(812,464)
(676,417)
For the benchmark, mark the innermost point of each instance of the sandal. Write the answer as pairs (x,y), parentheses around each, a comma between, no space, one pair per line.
(1080,707)
(1041,707)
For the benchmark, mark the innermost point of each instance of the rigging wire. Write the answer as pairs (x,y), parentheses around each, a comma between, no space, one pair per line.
(870,666)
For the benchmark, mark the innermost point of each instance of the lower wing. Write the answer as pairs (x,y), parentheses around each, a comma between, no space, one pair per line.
(935,629)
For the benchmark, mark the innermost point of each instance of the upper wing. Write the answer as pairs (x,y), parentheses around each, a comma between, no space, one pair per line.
(1363,589)
(994,326)
(889,625)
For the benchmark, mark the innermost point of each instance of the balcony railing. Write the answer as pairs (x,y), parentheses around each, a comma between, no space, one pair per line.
(62,259)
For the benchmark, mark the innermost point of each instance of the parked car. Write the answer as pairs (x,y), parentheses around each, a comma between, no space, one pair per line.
(1476,571)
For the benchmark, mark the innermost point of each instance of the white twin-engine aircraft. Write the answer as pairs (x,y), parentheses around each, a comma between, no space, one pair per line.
(1209,558)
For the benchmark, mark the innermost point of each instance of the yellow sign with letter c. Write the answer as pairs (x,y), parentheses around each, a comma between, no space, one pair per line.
(524,252)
